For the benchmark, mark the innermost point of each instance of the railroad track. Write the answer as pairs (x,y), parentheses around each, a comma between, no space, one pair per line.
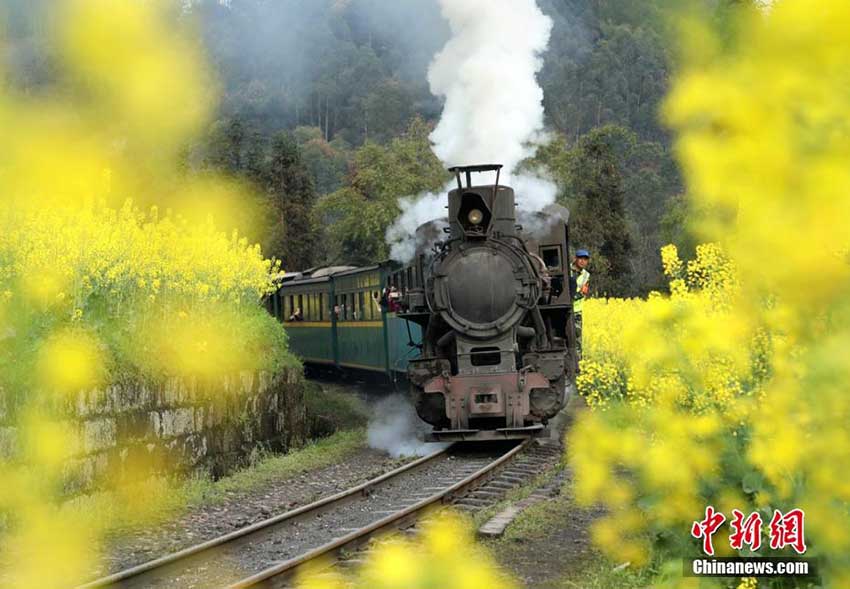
(271,551)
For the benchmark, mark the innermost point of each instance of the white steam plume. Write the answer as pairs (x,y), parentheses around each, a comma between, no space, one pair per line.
(415,210)
(487,74)
(395,428)
(493,109)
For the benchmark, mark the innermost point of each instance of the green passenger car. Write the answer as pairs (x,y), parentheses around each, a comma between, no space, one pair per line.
(333,317)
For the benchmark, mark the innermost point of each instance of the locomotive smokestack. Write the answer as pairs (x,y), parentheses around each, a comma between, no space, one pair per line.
(476,211)
(490,113)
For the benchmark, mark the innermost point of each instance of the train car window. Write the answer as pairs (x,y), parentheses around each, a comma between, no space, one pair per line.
(349,307)
(300,306)
(322,307)
(551,257)
(361,307)
(287,307)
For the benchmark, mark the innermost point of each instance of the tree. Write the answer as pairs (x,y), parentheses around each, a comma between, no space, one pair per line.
(235,146)
(619,77)
(613,158)
(596,194)
(292,194)
(388,109)
(354,220)
(327,161)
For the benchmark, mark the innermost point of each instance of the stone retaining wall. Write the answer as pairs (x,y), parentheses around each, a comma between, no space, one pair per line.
(133,429)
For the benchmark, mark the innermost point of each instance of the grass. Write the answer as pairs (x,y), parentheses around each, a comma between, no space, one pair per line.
(534,526)
(274,468)
(331,408)
(600,573)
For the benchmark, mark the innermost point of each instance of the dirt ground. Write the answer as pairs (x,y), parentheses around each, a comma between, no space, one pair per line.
(548,546)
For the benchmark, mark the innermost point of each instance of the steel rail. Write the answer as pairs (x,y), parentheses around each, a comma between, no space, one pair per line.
(290,567)
(171,560)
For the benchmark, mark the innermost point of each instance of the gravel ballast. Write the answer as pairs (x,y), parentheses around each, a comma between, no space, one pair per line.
(295,537)
(241,509)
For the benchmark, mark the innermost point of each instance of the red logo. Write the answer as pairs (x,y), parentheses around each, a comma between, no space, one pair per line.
(745,531)
(785,530)
(705,529)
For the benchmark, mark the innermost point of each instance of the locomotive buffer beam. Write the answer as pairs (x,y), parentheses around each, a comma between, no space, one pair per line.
(478,435)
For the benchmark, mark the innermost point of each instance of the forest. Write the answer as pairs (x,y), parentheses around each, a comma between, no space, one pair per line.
(325,110)
(325,107)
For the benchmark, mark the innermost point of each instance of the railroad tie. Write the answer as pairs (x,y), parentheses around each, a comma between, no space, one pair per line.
(497,484)
(474,501)
(487,493)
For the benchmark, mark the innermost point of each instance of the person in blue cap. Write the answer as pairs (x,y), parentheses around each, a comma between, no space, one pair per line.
(581,278)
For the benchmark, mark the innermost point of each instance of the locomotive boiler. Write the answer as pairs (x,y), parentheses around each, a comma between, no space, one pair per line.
(491,294)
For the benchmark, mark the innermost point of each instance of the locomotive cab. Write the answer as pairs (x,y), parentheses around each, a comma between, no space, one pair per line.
(498,354)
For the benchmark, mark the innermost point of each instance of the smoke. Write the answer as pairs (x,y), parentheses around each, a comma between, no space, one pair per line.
(533,193)
(487,74)
(402,236)
(493,113)
(396,429)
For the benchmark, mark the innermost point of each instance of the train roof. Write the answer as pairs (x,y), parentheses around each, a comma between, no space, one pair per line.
(325,273)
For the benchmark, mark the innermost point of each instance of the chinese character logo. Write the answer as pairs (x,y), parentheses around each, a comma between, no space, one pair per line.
(705,529)
(787,530)
(745,531)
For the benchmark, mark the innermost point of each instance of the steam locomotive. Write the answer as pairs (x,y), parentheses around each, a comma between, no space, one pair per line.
(498,355)
(483,330)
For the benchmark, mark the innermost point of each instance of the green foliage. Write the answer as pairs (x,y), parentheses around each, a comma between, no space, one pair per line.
(327,161)
(607,64)
(597,196)
(617,187)
(354,220)
(333,409)
(235,146)
(290,186)
(676,225)
(343,75)
(352,69)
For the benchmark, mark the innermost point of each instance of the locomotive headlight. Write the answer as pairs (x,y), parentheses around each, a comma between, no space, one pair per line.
(475,216)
